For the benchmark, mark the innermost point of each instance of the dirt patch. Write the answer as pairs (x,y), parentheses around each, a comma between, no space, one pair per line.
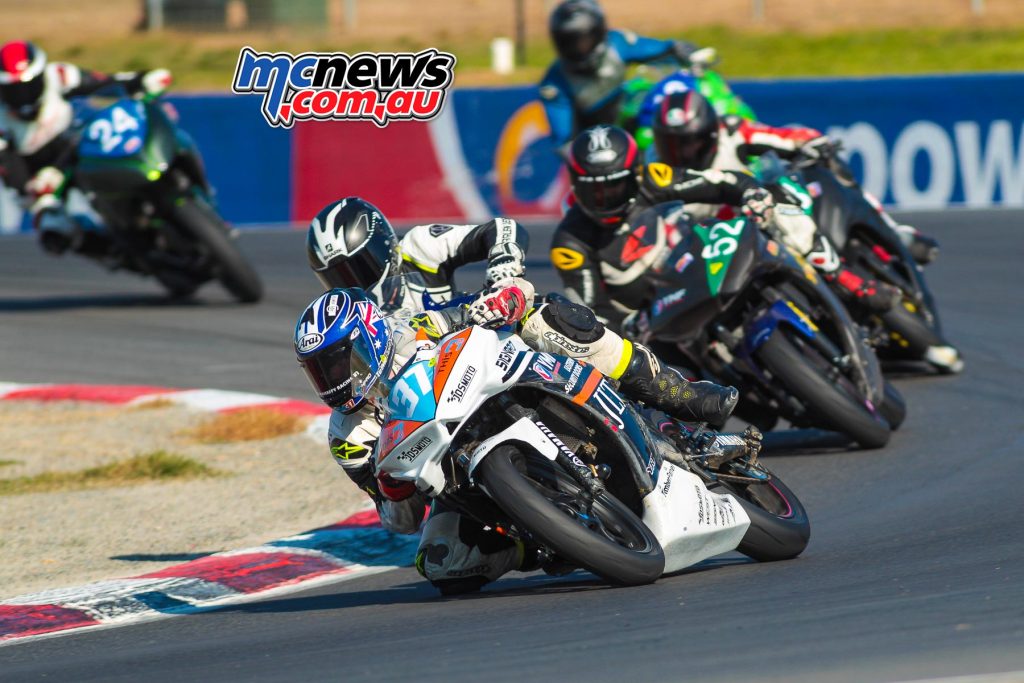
(272,488)
(251,424)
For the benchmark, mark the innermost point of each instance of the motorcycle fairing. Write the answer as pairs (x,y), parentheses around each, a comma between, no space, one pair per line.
(691,522)
(781,312)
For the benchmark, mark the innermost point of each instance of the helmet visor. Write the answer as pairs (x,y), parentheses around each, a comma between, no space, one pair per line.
(22,96)
(609,196)
(346,374)
(365,271)
(685,150)
(576,46)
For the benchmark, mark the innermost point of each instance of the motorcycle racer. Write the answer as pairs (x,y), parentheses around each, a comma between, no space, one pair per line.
(354,360)
(698,137)
(600,251)
(583,86)
(351,244)
(35,120)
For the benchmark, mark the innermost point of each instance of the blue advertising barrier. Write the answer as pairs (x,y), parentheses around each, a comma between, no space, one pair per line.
(249,163)
(916,142)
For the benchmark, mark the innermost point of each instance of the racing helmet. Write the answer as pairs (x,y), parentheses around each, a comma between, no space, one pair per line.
(22,78)
(351,244)
(686,130)
(604,168)
(345,348)
(578,30)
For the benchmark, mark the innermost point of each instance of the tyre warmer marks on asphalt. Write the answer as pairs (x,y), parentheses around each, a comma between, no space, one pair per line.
(354,546)
(351,547)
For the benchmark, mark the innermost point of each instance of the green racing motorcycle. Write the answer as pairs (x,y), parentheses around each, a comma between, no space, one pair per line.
(143,175)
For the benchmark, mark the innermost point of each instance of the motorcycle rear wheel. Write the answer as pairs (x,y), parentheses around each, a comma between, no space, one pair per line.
(544,500)
(801,370)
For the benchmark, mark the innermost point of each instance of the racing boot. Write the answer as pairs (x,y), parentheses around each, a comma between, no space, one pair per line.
(665,389)
(923,248)
(877,297)
(57,233)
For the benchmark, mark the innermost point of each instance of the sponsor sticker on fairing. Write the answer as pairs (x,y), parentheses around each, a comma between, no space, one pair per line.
(336,86)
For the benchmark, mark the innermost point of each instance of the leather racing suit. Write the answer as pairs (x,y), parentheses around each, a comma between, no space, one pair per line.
(604,268)
(455,553)
(573,101)
(36,155)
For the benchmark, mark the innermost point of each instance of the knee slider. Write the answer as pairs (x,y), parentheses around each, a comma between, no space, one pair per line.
(576,322)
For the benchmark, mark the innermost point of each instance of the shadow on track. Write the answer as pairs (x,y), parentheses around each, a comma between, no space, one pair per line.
(421,592)
(162,557)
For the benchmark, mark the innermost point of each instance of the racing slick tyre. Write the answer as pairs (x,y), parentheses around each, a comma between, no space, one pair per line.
(231,269)
(779,528)
(805,372)
(893,408)
(913,334)
(544,500)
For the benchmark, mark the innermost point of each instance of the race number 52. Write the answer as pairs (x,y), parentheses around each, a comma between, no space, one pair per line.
(723,240)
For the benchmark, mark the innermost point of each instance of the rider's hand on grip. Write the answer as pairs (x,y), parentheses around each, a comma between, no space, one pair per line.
(817,148)
(702,60)
(503,304)
(758,204)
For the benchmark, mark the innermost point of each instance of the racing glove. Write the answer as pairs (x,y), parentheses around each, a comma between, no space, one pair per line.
(817,148)
(149,83)
(505,261)
(702,60)
(758,205)
(503,304)
(44,190)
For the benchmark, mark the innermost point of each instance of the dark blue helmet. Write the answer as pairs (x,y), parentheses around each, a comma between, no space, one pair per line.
(345,348)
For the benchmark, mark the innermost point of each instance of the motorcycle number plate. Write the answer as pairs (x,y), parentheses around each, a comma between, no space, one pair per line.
(117,131)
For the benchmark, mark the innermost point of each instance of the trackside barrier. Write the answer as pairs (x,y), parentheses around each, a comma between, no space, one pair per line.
(916,142)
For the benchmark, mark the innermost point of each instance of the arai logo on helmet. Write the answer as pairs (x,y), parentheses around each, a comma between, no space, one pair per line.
(379,87)
(308,342)
(599,146)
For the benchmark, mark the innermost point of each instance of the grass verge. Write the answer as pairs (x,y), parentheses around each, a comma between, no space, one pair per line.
(155,466)
(6,463)
(251,424)
(207,61)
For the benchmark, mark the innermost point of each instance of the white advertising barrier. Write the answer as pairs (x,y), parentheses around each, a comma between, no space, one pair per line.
(988,162)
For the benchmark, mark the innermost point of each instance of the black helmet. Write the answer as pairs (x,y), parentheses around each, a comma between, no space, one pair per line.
(686,130)
(22,78)
(578,30)
(351,244)
(604,167)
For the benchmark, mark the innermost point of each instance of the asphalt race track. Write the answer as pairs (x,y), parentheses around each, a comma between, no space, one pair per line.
(915,568)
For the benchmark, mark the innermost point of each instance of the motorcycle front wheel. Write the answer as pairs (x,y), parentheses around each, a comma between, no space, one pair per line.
(606,537)
(779,527)
(804,371)
(197,219)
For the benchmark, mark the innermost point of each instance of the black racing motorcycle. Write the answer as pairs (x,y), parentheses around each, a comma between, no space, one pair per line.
(825,187)
(742,309)
(144,176)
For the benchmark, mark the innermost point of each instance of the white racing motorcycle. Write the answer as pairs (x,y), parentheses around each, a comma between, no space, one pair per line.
(543,449)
